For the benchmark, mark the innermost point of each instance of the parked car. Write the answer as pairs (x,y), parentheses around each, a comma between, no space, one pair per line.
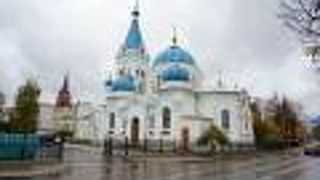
(312,151)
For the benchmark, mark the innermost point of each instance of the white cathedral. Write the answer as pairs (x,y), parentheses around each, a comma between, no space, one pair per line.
(163,98)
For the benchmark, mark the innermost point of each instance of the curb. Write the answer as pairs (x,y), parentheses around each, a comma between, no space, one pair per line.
(37,171)
(171,159)
(185,159)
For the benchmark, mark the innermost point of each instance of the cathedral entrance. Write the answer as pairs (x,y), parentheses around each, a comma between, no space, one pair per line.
(185,139)
(135,131)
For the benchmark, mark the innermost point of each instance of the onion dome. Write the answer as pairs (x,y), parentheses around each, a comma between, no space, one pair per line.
(123,83)
(175,73)
(174,54)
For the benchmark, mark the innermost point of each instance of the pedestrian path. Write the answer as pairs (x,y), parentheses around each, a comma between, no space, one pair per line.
(88,163)
(29,169)
(254,168)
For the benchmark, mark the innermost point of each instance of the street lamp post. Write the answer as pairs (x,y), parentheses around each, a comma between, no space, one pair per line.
(147,125)
(123,131)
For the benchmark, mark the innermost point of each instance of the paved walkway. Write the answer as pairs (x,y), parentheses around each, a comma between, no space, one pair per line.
(87,163)
(30,169)
(265,166)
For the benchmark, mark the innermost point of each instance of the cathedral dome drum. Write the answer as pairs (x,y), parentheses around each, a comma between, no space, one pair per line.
(175,73)
(122,83)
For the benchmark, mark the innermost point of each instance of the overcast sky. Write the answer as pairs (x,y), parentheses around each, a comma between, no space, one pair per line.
(44,39)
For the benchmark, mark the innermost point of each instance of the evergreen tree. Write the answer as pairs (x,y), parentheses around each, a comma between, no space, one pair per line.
(3,125)
(287,120)
(278,125)
(267,134)
(213,137)
(26,111)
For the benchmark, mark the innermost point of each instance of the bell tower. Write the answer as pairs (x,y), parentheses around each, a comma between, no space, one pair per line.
(132,59)
(63,110)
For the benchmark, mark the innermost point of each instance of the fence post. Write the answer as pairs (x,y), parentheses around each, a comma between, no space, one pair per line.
(126,146)
(174,146)
(110,147)
(105,146)
(145,145)
(24,145)
(161,145)
(61,148)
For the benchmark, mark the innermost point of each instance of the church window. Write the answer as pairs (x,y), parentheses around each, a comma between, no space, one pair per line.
(121,72)
(246,125)
(225,119)
(166,118)
(165,132)
(141,86)
(112,120)
(142,74)
(158,81)
(151,133)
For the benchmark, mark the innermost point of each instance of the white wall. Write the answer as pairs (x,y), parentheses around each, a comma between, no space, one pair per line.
(211,104)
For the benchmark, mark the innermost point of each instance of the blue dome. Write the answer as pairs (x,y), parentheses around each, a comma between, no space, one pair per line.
(175,73)
(174,54)
(123,83)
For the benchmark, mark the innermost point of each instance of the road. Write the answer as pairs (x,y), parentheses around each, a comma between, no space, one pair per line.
(88,164)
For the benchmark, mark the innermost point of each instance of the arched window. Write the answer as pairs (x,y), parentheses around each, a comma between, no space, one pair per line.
(225,119)
(246,125)
(112,120)
(121,71)
(166,118)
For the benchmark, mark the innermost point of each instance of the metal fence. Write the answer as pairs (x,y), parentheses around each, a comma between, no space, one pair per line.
(15,146)
(124,147)
(164,146)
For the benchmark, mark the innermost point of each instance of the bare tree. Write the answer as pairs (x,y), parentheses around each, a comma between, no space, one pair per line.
(303,18)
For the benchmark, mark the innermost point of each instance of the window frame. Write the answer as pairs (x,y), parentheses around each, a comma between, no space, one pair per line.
(166,118)
(112,120)
(225,119)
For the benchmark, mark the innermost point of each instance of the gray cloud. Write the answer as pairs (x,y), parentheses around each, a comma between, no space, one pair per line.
(244,39)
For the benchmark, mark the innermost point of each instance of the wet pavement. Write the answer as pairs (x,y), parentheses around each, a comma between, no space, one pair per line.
(89,164)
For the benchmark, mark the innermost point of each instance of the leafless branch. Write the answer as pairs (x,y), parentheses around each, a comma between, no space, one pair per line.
(303,17)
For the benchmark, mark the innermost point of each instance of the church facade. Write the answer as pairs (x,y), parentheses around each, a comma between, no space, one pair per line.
(163,98)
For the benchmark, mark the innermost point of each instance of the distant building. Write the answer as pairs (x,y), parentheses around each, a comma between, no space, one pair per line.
(46,117)
(89,119)
(63,110)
